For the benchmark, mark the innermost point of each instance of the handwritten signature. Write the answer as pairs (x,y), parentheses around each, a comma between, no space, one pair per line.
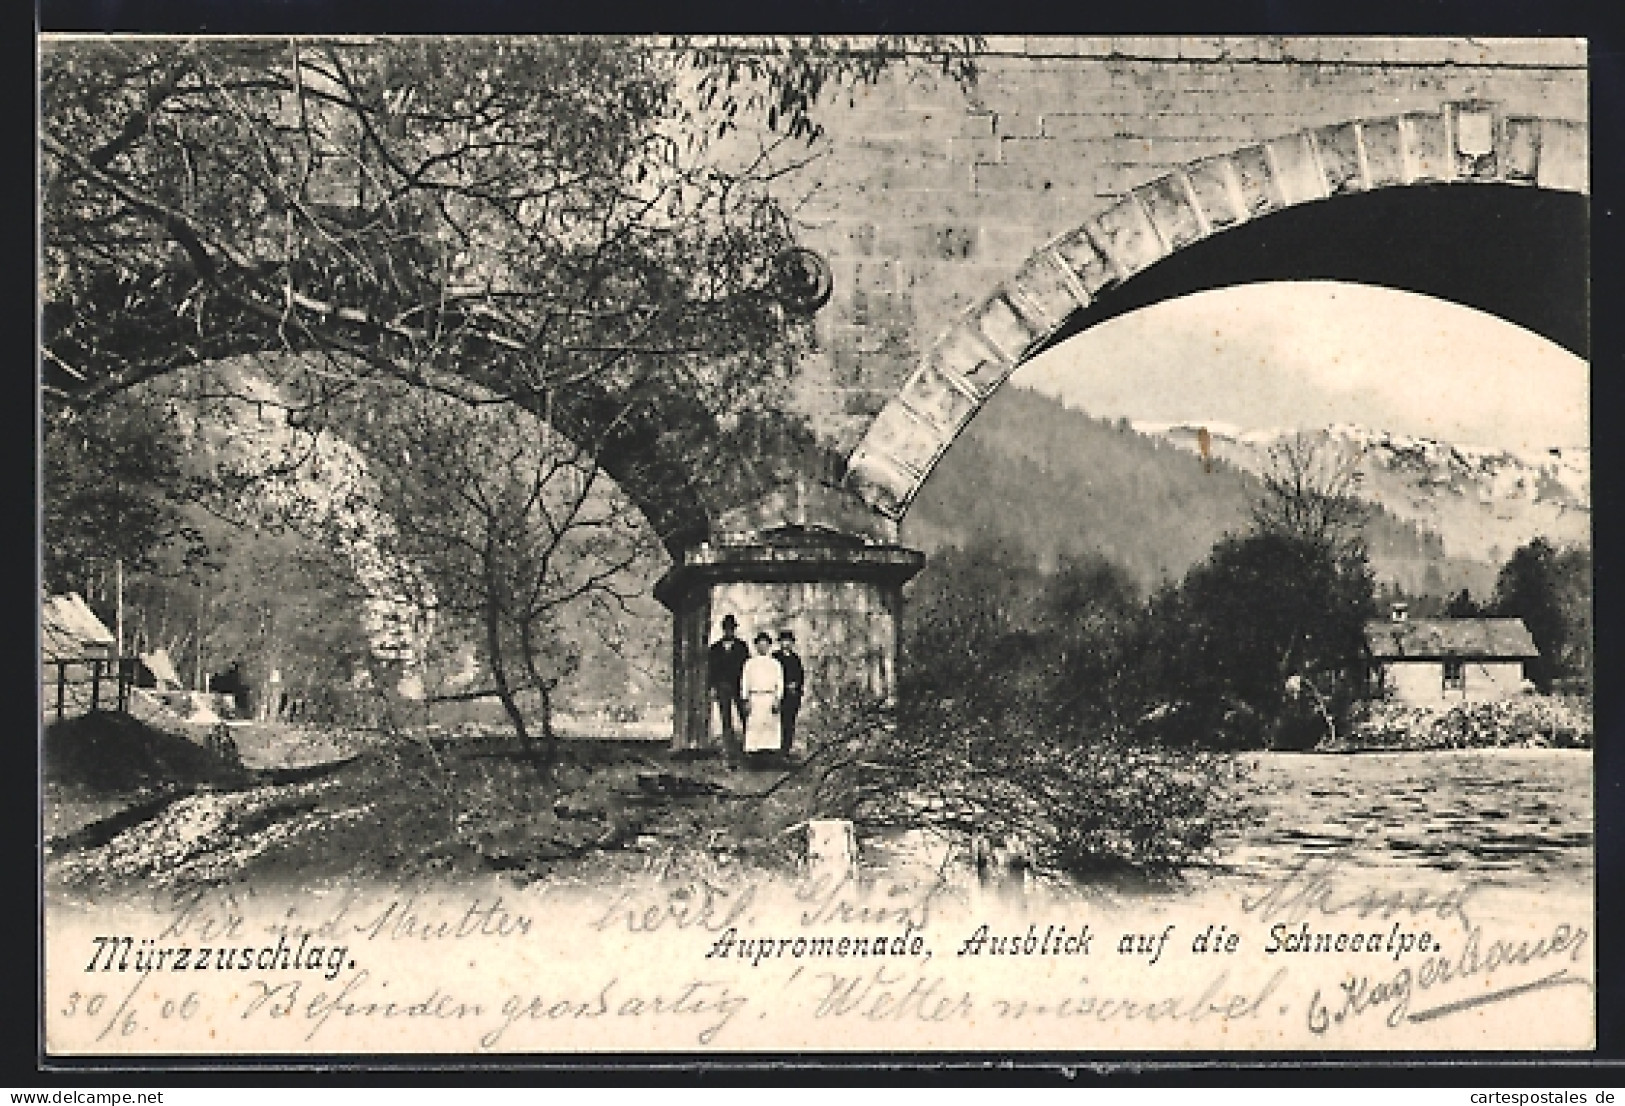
(1392,996)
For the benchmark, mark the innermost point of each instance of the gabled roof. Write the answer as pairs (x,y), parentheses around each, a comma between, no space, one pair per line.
(162,668)
(70,630)
(1450,638)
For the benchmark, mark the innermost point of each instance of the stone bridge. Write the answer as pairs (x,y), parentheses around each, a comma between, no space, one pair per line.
(968,229)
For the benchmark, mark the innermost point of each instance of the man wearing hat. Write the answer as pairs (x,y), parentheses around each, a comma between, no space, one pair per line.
(725,668)
(795,682)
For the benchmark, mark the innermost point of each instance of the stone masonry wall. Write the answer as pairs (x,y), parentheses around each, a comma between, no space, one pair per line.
(926,197)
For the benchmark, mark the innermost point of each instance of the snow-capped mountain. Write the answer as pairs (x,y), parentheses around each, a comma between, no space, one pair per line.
(1483,501)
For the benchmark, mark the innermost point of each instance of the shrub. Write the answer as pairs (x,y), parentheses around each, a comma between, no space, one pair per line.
(1072,807)
(1527,722)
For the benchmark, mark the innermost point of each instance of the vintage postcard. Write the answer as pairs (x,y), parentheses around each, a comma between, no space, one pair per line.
(783,545)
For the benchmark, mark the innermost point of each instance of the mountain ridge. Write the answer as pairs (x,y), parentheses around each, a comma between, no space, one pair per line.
(1483,501)
(1042,480)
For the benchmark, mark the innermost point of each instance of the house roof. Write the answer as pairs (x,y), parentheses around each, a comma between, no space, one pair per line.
(1450,638)
(70,630)
(162,668)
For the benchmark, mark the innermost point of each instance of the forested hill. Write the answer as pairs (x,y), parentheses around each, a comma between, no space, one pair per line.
(1043,480)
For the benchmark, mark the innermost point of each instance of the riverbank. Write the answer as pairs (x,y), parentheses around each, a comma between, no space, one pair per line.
(1524,722)
(411,809)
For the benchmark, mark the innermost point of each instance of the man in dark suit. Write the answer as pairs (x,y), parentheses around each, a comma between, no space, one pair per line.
(795,683)
(725,668)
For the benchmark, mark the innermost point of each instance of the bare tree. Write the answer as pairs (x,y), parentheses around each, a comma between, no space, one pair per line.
(1309,492)
(501,532)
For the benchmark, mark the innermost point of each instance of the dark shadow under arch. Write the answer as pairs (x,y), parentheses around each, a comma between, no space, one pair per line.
(1519,253)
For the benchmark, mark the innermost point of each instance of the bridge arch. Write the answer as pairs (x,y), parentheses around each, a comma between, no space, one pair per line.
(1423,161)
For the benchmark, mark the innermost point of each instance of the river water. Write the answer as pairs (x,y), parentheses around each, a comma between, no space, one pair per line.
(1517,820)
(1516,824)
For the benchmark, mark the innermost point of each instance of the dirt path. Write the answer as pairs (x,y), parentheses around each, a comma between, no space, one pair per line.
(404,810)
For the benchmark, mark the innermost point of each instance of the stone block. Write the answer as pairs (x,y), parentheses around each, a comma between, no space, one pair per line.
(918,173)
(1564,157)
(883,484)
(1166,152)
(1427,147)
(1173,212)
(879,323)
(1008,177)
(1513,51)
(1375,48)
(969,151)
(1232,129)
(905,437)
(1074,126)
(1006,245)
(1522,161)
(861,238)
(1005,329)
(965,283)
(1339,149)
(1010,124)
(1563,101)
(962,353)
(1384,152)
(1203,48)
(1123,102)
(1219,103)
(1041,46)
(1058,159)
(879,120)
(1256,179)
(1204,75)
(1297,171)
(1151,47)
(1088,262)
(1115,181)
(1034,85)
(1300,48)
(944,403)
(1126,233)
(1218,193)
(1044,291)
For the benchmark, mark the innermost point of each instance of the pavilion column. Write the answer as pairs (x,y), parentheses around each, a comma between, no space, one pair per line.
(842,597)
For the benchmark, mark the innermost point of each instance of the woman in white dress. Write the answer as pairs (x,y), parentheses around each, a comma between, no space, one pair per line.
(763,686)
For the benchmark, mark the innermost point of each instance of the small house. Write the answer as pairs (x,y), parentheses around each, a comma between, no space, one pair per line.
(1428,661)
(71,633)
(77,654)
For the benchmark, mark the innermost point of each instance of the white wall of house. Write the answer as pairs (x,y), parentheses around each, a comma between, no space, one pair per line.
(1423,682)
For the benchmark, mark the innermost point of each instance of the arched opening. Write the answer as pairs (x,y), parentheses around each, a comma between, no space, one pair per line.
(335,551)
(1473,433)
(1380,202)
